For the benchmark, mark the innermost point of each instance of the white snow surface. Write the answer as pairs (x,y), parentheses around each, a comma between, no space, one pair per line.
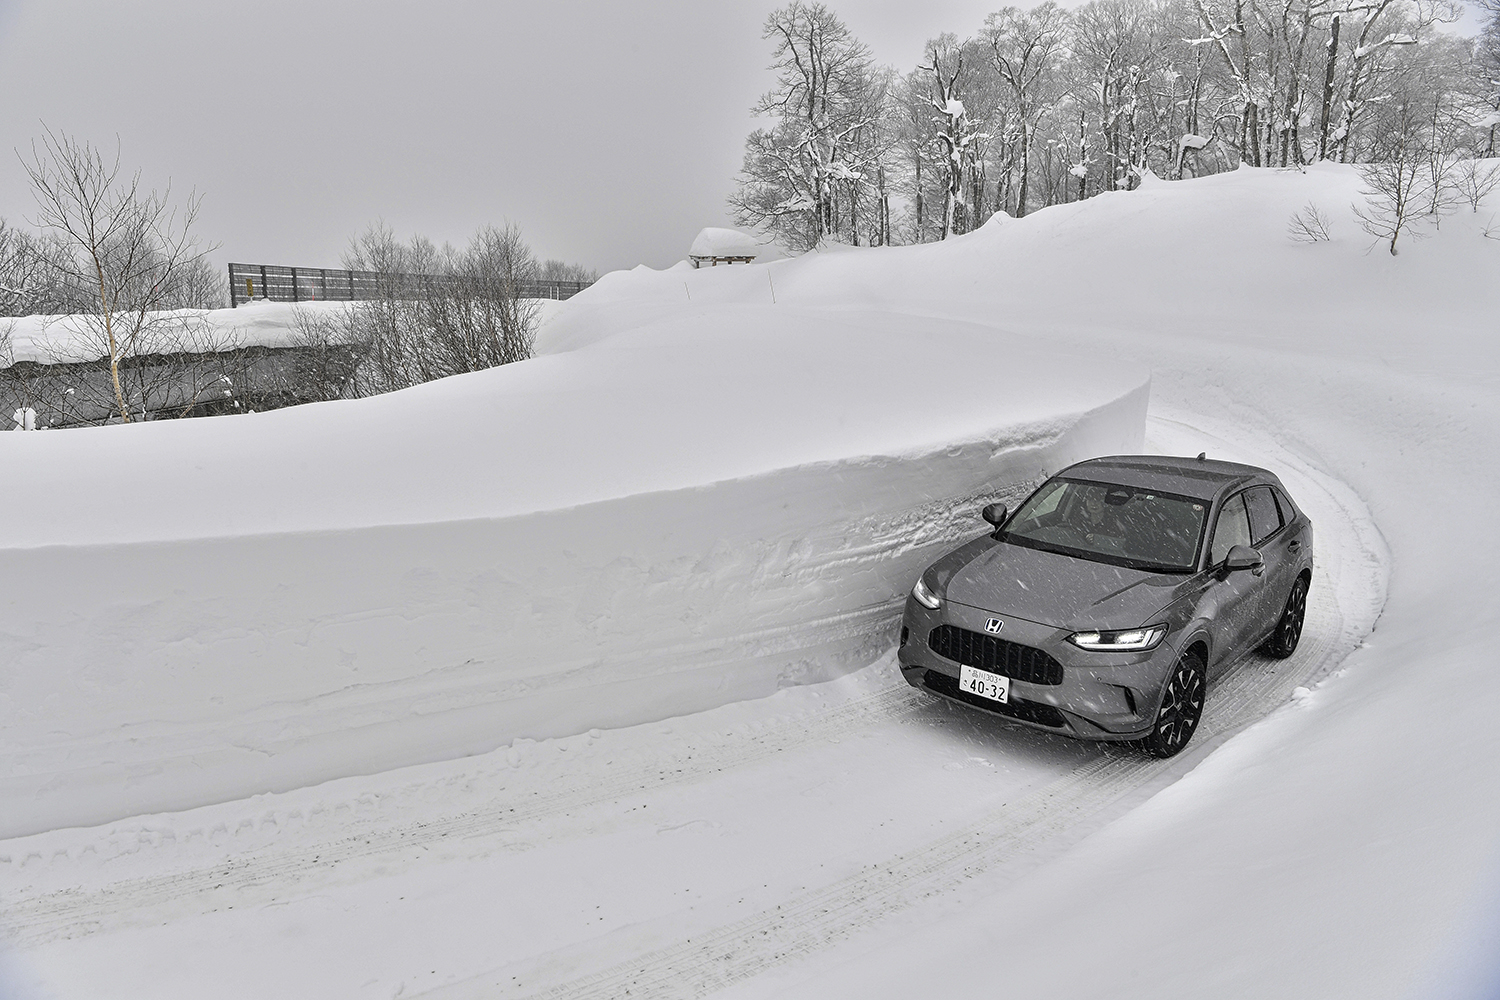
(716,241)
(778,448)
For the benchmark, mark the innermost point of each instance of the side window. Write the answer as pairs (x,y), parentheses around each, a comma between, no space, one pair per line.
(1288,512)
(1233,529)
(1265,520)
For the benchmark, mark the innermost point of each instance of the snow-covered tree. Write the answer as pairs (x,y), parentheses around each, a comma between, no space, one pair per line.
(1046,105)
(802,176)
(955,133)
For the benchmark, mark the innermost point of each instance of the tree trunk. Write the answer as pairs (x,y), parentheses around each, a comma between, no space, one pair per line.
(1022,194)
(920,199)
(1083,153)
(109,335)
(1333,55)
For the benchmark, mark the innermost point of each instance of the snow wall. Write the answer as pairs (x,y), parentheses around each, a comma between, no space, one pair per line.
(201,610)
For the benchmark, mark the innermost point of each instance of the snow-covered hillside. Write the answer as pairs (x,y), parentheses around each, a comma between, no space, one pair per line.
(712,485)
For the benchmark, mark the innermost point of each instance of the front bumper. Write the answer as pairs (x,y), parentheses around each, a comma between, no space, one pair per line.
(1102,695)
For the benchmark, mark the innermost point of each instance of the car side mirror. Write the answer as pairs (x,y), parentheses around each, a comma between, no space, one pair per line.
(1243,557)
(994,513)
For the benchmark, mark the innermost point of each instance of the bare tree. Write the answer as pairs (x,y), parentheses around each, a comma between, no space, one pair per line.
(1024,47)
(558,270)
(1488,66)
(440,312)
(1309,225)
(31,281)
(327,360)
(16,265)
(130,248)
(1397,184)
(1121,46)
(1047,105)
(1475,179)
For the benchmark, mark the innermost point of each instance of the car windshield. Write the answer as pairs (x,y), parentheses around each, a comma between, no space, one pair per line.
(1104,522)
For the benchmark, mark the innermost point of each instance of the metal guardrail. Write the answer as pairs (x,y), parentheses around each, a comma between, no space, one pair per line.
(280,283)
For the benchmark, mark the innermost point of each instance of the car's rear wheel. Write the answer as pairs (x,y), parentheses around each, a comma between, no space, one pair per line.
(1283,641)
(1181,707)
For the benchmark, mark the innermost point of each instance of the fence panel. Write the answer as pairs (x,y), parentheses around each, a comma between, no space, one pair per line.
(280,283)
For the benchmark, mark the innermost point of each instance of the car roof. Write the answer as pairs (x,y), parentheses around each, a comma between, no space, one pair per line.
(1201,478)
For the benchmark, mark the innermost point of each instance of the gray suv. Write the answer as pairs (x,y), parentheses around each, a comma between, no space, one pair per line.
(1102,607)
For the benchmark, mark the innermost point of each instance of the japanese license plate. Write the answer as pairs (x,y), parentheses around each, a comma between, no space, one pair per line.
(995,687)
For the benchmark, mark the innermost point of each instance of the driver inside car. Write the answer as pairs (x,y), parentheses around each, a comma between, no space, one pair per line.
(1099,522)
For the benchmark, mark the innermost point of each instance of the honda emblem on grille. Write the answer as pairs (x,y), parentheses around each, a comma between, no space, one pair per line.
(993,625)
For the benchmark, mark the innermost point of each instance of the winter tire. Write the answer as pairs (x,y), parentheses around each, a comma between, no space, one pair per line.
(1181,707)
(1283,641)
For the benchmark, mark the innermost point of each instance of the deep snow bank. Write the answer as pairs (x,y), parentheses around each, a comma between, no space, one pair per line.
(690,513)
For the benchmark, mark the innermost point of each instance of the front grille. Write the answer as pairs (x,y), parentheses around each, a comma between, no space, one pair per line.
(1016,708)
(1022,663)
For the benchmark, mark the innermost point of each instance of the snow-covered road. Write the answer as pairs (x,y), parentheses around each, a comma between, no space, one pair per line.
(668,860)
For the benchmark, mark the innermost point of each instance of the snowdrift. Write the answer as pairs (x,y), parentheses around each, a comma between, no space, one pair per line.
(692,512)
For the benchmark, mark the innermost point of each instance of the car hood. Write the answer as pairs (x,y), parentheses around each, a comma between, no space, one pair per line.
(1060,591)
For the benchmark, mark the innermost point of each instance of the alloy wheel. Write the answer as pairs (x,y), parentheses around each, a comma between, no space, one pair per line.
(1181,708)
(1283,641)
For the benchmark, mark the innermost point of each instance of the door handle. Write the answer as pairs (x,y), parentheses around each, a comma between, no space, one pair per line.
(1295,545)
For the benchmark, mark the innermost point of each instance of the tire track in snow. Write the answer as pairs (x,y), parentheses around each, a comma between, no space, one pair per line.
(32,918)
(45,878)
(1010,839)
(1005,838)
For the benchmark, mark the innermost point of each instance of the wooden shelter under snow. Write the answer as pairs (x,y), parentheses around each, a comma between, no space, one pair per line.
(722,246)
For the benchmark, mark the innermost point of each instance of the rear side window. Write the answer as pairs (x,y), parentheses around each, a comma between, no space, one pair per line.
(1288,512)
(1233,529)
(1265,520)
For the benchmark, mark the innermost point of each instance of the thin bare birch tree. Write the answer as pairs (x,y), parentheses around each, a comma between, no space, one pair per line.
(130,248)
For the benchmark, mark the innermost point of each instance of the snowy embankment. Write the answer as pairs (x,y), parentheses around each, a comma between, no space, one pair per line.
(700,511)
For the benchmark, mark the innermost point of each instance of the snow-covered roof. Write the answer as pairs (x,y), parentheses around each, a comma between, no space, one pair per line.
(717,242)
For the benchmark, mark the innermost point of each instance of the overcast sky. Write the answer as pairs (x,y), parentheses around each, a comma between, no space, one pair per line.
(610,132)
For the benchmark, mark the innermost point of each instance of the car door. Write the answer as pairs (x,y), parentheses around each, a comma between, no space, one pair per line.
(1233,601)
(1268,535)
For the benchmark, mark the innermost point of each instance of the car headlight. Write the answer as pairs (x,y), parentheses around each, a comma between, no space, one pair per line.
(925,596)
(1125,639)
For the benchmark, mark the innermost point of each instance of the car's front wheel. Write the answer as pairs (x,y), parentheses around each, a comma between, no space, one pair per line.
(1283,641)
(1181,707)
